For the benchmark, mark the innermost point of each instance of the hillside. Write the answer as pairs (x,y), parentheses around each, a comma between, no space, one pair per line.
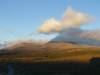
(50,52)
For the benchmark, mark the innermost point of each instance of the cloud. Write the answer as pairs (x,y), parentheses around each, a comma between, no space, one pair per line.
(50,26)
(71,19)
(69,28)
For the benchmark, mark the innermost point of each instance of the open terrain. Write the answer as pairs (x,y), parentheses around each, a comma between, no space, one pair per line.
(50,59)
(51,52)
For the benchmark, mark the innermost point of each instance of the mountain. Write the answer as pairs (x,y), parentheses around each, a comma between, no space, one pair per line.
(92,34)
(78,36)
(50,52)
(18,43)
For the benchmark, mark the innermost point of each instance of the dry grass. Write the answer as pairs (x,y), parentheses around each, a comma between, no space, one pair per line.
(52,52)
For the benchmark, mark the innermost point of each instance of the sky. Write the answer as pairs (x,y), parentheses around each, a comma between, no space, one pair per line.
(19,19)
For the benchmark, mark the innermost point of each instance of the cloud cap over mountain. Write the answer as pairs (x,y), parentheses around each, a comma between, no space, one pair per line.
(70,19)
(69,28)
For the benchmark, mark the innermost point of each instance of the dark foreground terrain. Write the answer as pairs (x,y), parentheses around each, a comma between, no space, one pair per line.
(55,68)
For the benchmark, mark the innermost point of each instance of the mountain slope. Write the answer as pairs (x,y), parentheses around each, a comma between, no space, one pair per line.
(78,36)
(51,52)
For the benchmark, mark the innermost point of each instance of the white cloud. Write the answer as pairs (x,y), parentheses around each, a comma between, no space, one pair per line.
(75,19)
(71,19)
(50,26)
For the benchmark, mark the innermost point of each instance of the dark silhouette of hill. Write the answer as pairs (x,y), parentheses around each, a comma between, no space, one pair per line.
(49,68)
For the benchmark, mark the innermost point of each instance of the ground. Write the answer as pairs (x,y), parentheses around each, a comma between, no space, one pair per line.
(51,52)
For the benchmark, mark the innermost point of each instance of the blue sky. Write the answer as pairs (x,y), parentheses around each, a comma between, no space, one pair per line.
(18,18)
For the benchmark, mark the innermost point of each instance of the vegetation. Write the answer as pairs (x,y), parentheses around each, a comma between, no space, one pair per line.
(51,52)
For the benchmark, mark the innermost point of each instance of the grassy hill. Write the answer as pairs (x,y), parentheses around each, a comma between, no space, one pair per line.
(51,52)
